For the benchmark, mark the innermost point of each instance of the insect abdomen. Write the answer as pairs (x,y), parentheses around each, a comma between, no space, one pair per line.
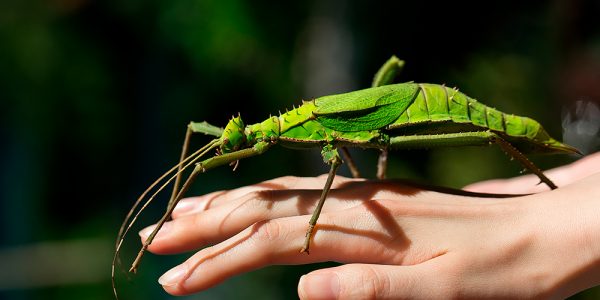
(438,110)
(440,104)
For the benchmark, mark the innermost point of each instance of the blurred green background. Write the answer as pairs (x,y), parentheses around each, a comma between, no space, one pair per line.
(95,97)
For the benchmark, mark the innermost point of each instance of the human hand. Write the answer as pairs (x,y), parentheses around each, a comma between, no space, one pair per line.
(399,241)
(561,176)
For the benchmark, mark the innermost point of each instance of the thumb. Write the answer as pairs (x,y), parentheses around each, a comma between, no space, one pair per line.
(365,281)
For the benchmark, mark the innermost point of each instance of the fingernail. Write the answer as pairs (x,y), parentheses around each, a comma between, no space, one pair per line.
(320,286)
(184,206)
(145,233)
(173,276)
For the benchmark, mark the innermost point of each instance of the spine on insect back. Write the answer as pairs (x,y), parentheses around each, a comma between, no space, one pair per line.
(441,110)
(298,129)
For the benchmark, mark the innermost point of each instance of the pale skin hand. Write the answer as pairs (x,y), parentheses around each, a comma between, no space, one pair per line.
(399,241)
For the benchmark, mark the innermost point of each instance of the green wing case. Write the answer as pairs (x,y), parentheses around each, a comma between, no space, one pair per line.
(367,109)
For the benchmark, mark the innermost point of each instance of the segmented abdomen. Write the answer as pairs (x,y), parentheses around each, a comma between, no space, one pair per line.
(457,112)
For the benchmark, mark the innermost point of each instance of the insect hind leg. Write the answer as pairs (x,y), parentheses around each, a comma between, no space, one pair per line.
(512,151)
(476,138)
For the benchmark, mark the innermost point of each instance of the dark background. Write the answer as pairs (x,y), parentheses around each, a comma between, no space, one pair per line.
(95,97)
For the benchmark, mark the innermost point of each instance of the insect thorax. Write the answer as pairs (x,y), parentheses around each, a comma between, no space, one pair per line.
(233,137)
(268,130)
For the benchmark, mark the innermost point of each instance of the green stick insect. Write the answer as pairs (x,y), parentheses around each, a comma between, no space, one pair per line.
(385,116)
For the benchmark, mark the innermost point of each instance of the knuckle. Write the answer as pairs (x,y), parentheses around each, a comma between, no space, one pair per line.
(258,200)
(258,195)
(287,180)
(253,195)
(205,202)
(268,230)
(323,176)
(382,285)
(369,283)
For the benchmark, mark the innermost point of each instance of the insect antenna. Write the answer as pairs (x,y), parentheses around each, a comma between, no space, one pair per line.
(143,195)
(156,182)
(170,207)
(126,226)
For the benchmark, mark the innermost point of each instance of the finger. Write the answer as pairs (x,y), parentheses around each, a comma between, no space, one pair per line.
(359,234)
(217,224)
(278,242)
(519,185)
(561,176)
(366,281)
(192,205)
(197,204)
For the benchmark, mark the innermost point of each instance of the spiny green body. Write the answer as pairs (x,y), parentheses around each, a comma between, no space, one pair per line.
(368,118)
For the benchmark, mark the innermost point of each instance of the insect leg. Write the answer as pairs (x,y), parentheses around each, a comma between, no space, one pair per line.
(331,157)
(204,127)
(130,219)
(184,150)
(382,164)
(477,138)
(350,163)
(386,75)
(193,127)
(201,167)
(512,151)
(388,72)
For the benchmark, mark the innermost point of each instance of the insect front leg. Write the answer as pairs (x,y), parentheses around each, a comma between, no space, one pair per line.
(200,167)
(477,138)
(193,127)
(331,157)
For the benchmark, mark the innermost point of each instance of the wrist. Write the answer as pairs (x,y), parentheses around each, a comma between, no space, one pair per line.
(568,228)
